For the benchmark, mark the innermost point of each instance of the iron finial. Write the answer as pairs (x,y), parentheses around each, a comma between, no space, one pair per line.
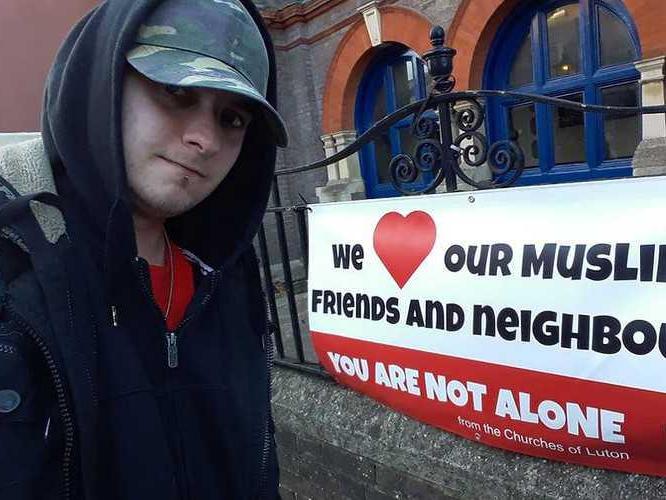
(440,61)
(437,36)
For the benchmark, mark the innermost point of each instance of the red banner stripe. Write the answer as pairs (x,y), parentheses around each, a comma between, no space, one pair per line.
(544,415)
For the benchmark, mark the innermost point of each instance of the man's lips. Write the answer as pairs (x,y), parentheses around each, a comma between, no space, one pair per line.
(183,166)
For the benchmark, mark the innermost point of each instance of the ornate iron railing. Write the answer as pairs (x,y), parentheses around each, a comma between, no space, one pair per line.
(441,150)
(442,154)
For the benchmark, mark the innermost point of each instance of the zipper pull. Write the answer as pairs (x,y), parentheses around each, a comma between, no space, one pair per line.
(172,349)
(114,316)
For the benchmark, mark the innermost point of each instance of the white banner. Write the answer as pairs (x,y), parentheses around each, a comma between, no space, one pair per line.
(545,304)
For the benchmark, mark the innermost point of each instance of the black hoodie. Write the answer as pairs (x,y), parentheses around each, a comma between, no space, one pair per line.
(140,429)
(81,129)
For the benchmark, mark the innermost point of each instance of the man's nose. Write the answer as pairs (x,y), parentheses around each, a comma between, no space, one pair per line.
(202,132)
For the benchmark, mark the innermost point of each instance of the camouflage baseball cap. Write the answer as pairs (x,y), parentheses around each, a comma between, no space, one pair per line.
(207,43)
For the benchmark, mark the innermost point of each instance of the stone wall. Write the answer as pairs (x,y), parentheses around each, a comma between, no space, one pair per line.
(650,157)
(335,443)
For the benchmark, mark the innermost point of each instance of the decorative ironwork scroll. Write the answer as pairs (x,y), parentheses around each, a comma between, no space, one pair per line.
(450,133)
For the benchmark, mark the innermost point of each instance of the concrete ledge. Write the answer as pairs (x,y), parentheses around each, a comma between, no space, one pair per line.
(341,190)
(335,443)
(650,157)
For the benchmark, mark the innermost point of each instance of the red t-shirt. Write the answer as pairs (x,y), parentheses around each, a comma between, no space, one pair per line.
(183,286)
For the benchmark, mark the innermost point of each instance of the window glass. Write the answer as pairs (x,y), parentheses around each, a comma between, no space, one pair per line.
(408,144)
(521,71)
(580,50)
(383,157)
(522,122)
(564,40)
(379,106)
(407,141)
(621,133)
(393,80)
(405,81)
(616,46)
(569,133)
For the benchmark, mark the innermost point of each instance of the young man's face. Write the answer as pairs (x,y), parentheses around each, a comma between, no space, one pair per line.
(179,143)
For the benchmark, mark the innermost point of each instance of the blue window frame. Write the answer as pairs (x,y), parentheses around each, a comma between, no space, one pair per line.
(395,78)
(578,50)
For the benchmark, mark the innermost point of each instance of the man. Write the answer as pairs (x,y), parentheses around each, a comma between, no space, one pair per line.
(134,361)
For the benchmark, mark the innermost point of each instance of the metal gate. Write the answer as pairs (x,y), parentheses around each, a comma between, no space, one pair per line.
(448,127)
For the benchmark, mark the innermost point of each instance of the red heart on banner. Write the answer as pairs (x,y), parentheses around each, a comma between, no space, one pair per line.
(402,243)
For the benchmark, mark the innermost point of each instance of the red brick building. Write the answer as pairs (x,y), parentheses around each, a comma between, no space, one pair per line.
(338,58)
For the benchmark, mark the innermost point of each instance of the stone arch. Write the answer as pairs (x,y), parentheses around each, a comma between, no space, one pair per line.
(473,30)
(399,25)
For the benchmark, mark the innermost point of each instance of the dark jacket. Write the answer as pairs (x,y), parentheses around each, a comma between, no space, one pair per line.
(82,343)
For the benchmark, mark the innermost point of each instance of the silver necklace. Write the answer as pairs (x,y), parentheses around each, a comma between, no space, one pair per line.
(171,274)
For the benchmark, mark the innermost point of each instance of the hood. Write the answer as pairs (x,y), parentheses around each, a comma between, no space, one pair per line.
(81,128)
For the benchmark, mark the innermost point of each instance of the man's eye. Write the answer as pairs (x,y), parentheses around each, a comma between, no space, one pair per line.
(232,119)
(175,90)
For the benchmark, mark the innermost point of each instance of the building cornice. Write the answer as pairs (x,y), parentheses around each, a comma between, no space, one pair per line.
(319,36)
(301,13)
(297,13)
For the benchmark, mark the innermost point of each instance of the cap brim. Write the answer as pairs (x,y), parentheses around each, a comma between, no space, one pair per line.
(186,69)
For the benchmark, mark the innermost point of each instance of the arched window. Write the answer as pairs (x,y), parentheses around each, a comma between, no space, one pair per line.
(395,78)
(582,51)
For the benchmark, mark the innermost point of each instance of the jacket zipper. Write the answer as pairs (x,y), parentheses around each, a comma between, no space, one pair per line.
(64,410)
(7,349)
(265,455)
(171,337)
(172,349)
(270,357)
(172,359)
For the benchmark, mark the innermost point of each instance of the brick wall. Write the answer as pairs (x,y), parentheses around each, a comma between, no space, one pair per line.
(305,52)
(477,21)
(303,56)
